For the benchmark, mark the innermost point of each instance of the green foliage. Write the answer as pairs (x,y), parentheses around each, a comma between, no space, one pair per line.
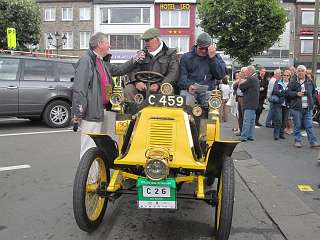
(25,17)
(243,28)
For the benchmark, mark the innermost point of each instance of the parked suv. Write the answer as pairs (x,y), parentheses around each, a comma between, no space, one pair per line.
(36,88)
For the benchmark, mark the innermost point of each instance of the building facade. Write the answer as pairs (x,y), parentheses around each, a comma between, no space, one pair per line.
(305,34)
(70,18)
(176,21)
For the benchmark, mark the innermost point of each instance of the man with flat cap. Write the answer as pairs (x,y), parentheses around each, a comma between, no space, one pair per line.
(201,66)
(158,58)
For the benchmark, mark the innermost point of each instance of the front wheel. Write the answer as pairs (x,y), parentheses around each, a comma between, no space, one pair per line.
(88,207)
(225,200)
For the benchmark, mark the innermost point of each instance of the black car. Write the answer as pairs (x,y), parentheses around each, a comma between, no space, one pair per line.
(36,88)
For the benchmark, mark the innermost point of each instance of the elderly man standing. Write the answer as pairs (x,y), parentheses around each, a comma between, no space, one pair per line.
(250,89)
(159,58)
(92,78)
(301,93)
(201,66)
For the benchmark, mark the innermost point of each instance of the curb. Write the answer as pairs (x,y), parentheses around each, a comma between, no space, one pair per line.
(294,218)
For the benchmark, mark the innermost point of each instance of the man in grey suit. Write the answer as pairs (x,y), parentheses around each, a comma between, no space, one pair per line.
(90,96)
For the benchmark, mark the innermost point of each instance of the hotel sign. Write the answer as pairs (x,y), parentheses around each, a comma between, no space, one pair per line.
(174,6)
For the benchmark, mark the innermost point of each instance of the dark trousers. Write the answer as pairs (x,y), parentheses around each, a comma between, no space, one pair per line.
(259,109)
(279,119)
(240,112)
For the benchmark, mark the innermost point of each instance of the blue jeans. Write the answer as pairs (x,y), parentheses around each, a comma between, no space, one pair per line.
(248,128)
(303,116)
(270,114)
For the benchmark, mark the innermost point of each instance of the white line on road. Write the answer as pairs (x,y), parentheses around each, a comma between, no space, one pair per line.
(33,133)
(14,167)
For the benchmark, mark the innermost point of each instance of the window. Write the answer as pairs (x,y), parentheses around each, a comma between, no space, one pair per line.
(84,13)
(66,72)
(125,15)
(69,42)
(35,70)
(67,14)
(178,42)
(49,14)
(306,45)
(125,41)
(46,41)
(307,17)
(174,18)
(84,40)
(8,69)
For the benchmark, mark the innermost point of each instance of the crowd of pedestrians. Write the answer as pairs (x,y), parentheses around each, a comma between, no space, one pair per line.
(290,96)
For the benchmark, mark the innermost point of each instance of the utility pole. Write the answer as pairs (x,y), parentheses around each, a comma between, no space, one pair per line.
(315,40)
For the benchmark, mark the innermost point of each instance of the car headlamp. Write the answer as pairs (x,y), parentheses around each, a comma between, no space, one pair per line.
(166,89)
(197,111)
(156,167)
(116,99)
(214,102)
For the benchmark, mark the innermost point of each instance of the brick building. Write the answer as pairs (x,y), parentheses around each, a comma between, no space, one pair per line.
(72,18)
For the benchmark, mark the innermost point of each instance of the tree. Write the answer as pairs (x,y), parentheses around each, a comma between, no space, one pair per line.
(243,28)
(25,17)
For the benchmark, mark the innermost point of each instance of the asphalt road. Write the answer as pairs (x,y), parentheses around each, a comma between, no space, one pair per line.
(36,202)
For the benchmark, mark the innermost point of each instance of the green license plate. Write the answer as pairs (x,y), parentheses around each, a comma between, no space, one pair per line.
(157,194)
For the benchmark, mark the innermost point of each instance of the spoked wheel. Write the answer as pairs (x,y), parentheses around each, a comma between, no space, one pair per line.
(88,206)
(225,199)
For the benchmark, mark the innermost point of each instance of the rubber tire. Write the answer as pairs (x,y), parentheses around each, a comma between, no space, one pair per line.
(49,107)
(227,200)
(79,191)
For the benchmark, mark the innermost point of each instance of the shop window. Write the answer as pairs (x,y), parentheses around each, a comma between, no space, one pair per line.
(181,43)
(174,18)
(125,15)
(125,42)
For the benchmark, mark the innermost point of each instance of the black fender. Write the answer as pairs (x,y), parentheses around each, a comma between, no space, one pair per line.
(217,153)
(107,145)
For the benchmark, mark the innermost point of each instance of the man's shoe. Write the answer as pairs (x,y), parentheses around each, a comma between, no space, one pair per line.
(298,145)
(276,138)
(315,145)
(258,124)
(250,139)
(282,137)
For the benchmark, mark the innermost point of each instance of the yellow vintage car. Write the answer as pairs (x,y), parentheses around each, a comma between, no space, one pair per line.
(162,144)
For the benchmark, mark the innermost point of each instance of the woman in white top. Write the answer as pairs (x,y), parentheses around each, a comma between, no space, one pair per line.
(225,89)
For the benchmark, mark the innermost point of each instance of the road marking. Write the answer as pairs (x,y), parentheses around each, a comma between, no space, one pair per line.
(34,133)
(305,188)
(14,167)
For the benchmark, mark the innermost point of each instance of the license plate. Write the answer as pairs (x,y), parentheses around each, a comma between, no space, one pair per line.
(166,100)
(156,194)
(153,191)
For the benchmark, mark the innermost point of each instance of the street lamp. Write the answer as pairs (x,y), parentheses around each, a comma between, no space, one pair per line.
(57,37)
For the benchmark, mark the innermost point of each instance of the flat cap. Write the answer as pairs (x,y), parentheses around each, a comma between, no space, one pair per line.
(203,40)
(150,33)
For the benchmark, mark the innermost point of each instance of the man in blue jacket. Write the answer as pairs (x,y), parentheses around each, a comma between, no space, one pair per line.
(201,66)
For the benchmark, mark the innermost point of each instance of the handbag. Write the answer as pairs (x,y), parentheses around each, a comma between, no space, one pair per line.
(274,99)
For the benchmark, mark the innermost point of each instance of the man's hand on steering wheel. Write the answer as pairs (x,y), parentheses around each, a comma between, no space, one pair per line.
(141,86)
(154,87)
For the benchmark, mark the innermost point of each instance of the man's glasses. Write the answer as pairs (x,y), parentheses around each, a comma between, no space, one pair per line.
(286,75)
(203,48)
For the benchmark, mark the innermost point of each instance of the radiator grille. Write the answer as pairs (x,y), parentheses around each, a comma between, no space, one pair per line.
(161,133)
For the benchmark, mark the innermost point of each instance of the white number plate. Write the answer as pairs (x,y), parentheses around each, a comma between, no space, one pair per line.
(166,100)
(155,191)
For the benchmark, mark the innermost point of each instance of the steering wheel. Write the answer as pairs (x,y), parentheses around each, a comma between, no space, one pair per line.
(148,77)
